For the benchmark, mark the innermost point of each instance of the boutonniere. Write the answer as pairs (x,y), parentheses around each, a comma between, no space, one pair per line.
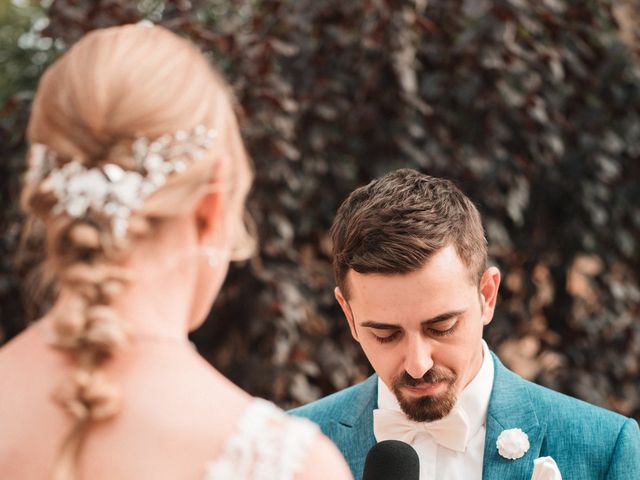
(512,443)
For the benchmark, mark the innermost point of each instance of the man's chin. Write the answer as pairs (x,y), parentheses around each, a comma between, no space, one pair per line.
(427,408)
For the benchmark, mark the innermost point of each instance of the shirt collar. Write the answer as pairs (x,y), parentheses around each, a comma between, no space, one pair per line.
(474,399)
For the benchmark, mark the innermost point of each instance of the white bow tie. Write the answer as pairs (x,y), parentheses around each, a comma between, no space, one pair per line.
(451,431)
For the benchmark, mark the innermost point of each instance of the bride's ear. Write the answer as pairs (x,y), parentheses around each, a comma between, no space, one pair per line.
(208,215)
(209,211)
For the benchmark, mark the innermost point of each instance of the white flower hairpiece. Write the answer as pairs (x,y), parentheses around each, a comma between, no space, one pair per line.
(109,189)
(512,443)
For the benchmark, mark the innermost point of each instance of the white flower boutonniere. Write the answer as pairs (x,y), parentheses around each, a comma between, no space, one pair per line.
(512,443)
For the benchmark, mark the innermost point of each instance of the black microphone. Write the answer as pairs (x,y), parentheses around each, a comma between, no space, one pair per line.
(391,460)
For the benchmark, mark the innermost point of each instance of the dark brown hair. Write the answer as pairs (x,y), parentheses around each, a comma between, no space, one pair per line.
(398,221)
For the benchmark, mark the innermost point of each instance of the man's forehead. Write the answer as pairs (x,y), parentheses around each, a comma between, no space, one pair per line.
(363,283)
(444,264)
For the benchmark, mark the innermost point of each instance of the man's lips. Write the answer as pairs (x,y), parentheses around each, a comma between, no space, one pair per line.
(424,388)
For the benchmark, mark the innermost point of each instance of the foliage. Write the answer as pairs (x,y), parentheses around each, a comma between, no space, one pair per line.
(532,107)
(23,55)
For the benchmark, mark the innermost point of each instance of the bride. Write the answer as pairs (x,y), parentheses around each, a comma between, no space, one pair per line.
(138,176)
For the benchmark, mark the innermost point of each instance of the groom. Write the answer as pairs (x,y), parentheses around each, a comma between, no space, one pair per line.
(410,261)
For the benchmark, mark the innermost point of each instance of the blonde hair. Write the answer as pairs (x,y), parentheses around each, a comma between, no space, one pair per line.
(111,87)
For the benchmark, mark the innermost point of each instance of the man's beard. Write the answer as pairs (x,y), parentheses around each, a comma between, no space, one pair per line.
(429,407)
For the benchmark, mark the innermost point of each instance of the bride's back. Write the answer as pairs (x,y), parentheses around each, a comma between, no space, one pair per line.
(177,414)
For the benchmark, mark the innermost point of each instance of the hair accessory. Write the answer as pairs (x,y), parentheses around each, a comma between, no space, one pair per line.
(109,190)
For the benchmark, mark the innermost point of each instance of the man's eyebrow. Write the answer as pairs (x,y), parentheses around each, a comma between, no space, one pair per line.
(443,317)
(379,325)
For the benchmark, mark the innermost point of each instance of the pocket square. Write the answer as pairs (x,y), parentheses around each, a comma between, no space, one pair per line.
(545,468)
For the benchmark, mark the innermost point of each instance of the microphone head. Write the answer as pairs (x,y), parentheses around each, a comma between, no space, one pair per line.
(392,459)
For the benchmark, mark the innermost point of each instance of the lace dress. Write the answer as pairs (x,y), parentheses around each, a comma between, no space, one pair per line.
(266,445)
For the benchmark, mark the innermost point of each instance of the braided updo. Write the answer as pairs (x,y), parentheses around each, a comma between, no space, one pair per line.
(116,85)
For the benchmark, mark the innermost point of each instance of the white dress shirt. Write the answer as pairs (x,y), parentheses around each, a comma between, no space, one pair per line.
(441,463)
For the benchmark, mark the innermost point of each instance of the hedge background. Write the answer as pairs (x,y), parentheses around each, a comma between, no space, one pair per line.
(532,107)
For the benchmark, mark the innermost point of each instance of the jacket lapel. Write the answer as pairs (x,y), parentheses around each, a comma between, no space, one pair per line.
(354,426)
(510,406)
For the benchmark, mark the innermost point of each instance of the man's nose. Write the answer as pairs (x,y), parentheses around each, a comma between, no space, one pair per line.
(418,357)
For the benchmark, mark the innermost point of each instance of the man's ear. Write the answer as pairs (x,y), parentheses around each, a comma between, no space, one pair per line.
(208,216)
(346,309)
(489,284)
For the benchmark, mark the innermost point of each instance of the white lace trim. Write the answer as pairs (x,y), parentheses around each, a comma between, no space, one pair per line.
(267,445)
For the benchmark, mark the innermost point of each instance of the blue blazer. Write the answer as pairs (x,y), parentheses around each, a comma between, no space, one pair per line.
(587,442)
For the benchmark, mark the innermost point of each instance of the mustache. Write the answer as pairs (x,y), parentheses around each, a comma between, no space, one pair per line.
(434,375)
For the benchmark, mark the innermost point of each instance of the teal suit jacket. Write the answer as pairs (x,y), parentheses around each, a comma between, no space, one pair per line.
(587,442)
